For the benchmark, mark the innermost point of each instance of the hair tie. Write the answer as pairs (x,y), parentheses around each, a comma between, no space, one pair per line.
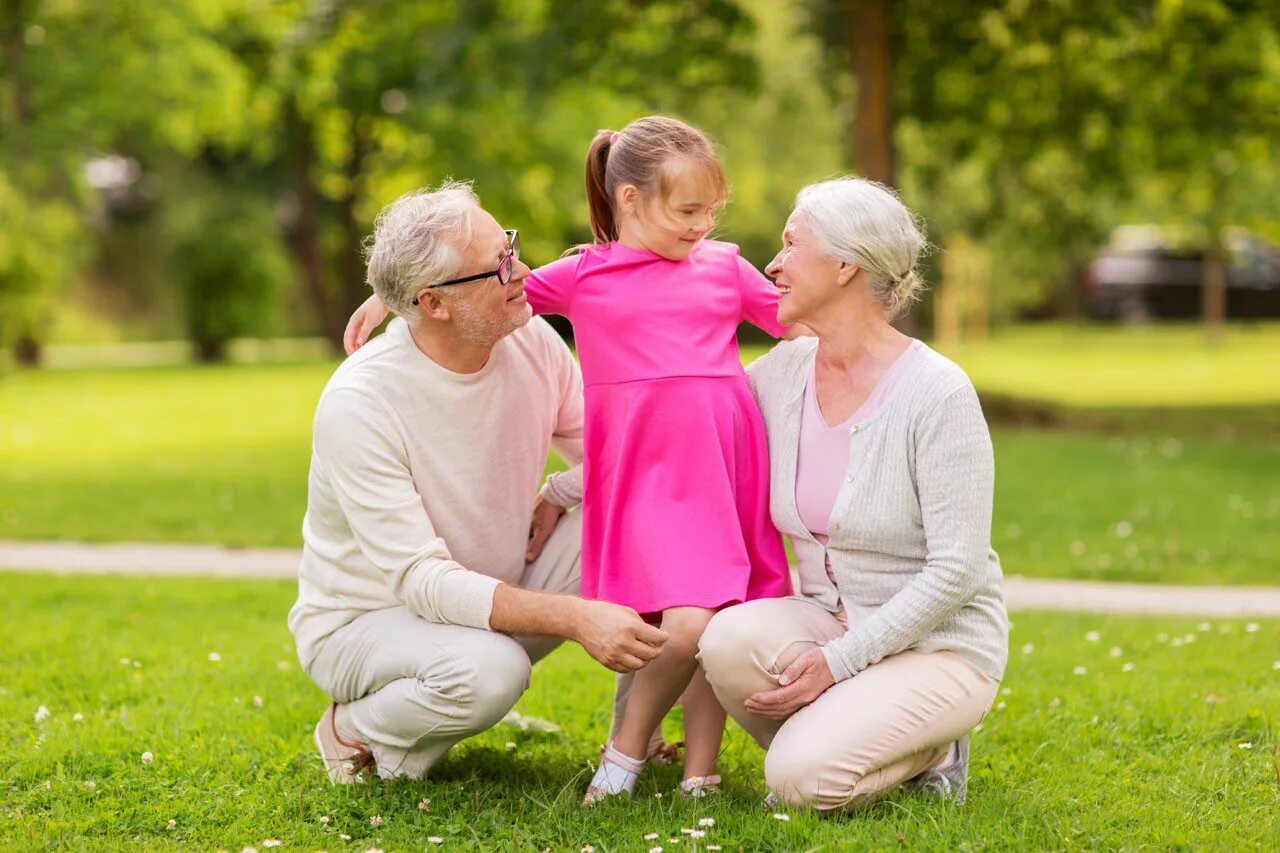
(614,136)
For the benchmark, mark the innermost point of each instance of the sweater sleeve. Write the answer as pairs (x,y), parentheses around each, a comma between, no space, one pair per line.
(955,483)
(361,450)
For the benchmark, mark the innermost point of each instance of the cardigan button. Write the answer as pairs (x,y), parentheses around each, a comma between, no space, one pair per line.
(848,478)
(855,428)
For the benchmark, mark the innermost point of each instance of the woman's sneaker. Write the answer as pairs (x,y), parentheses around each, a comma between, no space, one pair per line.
(949,779)
(345,757)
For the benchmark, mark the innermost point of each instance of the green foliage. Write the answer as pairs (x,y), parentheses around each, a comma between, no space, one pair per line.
(230,264)
(1150,756)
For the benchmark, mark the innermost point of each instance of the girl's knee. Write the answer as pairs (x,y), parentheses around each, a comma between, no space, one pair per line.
(685,627)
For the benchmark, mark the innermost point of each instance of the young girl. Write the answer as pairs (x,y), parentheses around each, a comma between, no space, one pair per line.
(675,503)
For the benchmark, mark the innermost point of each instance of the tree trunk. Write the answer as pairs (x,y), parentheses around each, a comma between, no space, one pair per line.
(304,237)
(26,348)
(209,351)
(871,128)
(870,132)
(1214,287)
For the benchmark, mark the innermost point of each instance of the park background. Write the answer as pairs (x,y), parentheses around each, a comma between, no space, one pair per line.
(184,188)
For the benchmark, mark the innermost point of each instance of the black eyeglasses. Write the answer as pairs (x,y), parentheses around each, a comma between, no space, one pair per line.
(503,272)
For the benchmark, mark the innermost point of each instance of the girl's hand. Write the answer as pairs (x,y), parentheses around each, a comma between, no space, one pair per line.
(804,680)
(545,517)
(368,317)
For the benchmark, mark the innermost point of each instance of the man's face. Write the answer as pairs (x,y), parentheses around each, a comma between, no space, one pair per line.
(486,311)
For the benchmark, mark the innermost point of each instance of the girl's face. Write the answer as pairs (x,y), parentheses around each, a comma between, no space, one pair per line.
(807,278)
(673,225)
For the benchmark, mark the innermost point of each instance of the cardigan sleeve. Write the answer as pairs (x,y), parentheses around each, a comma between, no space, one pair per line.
(955,483)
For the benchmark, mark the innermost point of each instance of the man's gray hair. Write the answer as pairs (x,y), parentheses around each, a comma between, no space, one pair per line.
(418,240)
(862,222)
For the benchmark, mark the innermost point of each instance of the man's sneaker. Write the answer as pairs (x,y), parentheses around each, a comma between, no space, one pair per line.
(345,758)
(950,779)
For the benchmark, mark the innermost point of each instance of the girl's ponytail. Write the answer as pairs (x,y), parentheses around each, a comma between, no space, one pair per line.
(603,224)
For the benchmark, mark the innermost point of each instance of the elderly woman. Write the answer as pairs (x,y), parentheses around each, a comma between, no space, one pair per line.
(882,477)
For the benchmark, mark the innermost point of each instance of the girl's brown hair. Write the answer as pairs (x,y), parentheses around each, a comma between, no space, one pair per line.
(643,153)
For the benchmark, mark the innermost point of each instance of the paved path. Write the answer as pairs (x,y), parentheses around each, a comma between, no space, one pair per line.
(1020,593)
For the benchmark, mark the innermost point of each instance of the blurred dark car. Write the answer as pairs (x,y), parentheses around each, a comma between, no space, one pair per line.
(1147,273)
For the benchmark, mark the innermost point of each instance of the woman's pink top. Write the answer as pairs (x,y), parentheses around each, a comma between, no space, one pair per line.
(823,463)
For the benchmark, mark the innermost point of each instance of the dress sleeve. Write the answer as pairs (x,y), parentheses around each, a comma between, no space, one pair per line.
(759,299)
(549,288)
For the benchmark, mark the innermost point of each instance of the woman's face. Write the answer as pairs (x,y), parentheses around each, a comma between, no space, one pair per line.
(806,277)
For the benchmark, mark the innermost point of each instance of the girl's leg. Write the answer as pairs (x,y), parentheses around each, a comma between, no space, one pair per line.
(657,687)
(704,719)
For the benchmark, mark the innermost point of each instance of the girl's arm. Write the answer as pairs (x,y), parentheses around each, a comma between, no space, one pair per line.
(760,303)
(366,318)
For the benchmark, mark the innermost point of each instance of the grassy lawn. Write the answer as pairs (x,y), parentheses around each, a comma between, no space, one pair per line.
(1150,757)
(220,455)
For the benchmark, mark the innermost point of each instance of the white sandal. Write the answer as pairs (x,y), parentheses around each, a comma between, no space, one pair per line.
(700,786)
(616,775)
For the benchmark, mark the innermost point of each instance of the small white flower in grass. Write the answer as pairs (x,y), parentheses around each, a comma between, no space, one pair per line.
(324,818)
(125,661)
(282,665)
(1127,667)
(1204,626)
(651,836)
(374,850)
(173,824)
(248,850)
(1116,651)
(1175,642)
(425,804)
(658,796)
(781,816)
(1124,529)
(587,848)
(1055,702)
(1276,665)
(1005,691)
(673,840)
(376,820)
(1079,670)
(91,785)
(271,842)
(1000,706)
(698,833)
(77,716)
(346,837)
(42,714)
(257,701)
(1251,628)
(435,839)
(1077,548)
(713,847)
(1028,649)
(707,821)
(655,850)
(137,664)
(147,758)
(1092,637)
(511,746)
(686,830)
(1245,745)
(1190,638)
(214,657)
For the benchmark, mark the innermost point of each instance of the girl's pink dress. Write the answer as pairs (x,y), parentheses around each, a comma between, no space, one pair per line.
(676,468)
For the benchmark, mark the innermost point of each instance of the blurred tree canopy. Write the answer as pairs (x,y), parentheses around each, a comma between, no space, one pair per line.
(276,129)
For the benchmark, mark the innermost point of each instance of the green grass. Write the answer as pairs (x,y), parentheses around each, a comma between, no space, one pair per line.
(220,455)
(1146,758)
(1126,367)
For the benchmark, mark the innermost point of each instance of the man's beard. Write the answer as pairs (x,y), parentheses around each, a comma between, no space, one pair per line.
(486,327)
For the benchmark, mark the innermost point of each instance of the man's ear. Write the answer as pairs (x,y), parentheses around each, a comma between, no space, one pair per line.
(432,306)
(846,273)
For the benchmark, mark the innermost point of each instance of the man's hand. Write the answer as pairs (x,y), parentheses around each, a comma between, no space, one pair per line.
(804,680)
(545,516)
(617,636)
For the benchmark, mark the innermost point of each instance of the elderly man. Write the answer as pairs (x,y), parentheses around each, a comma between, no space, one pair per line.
(422,602)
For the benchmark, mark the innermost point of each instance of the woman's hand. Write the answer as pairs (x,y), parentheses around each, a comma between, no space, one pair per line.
(368,317)
(545,516)
(804,680)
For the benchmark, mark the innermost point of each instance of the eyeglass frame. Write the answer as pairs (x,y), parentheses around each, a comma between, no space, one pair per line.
(512,254)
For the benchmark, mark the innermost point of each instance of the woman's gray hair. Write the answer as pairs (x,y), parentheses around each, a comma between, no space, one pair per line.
(862,222)
(417,240)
